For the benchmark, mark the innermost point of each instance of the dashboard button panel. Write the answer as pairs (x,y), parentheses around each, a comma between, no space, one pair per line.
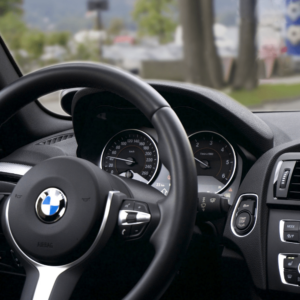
(243,220)
(291,262)
(290,276)
(291,226)
(289,268)
(291,236)
(244,215)
(289,231)
(248,205)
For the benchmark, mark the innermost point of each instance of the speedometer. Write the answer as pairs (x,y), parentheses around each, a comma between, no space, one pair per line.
(132,154)
(215,161)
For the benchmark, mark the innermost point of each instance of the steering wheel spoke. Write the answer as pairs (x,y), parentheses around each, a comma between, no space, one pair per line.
(49,282)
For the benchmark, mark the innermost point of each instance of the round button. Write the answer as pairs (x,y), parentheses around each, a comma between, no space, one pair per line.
(242,221)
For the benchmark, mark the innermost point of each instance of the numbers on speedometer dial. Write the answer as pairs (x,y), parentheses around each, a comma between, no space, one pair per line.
(215,161)
(132,154)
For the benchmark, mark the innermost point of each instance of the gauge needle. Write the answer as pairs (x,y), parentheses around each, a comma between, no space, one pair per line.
(201,162)
(127,160)
(135,176)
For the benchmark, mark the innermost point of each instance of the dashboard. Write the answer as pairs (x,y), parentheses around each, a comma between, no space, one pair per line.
(133,154)
(255,172)
(121,141)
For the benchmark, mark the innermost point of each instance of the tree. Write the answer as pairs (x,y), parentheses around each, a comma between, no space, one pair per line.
(12,29)
(86,51)
(33,41)
(60,38)
(115,27)
(203,65)
(246,66)
(155,18)
(10,6)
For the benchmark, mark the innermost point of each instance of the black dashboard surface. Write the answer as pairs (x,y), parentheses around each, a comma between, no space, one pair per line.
(99,115)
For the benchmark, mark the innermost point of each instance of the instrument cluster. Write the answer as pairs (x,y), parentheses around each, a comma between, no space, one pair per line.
(134,154)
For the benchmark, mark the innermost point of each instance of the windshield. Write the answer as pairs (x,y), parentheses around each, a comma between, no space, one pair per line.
(248,49)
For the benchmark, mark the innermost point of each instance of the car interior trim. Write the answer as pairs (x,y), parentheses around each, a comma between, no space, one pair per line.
(13,168)
(49,274)
(141,217)
(235,211)
(281,231)
(281,257)
(278,167)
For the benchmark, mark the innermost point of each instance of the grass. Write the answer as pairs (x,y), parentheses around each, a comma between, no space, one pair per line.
(265,93)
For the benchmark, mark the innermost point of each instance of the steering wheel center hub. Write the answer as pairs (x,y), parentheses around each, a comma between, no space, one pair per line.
(56,209)
(51,205)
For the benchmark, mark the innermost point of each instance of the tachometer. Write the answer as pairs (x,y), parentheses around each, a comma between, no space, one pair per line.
(215,161)
(132,154)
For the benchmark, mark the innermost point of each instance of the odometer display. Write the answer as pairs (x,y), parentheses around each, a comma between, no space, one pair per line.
(215,161)
(132,154)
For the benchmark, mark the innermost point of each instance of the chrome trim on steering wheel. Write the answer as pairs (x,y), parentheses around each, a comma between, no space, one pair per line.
(49,274)
(12,168)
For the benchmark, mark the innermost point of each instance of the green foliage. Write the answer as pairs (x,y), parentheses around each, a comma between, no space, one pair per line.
(27,44)
(266,93)
(155,18)
(7,6)
(33,41)
(58,38)
(12,29)
(88,51)
(115,27)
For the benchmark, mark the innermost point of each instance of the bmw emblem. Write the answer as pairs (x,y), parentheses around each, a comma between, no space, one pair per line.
(51,205)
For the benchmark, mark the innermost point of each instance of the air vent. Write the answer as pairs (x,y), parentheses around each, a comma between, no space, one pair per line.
(294,188)
(56,139)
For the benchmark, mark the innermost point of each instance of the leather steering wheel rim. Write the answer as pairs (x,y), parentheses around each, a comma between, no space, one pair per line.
(178,209)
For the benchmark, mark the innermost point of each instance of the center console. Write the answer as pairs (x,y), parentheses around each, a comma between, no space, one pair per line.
(283,242)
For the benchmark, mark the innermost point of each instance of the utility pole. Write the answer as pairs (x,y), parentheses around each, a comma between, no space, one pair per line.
(98,6)
(98,23)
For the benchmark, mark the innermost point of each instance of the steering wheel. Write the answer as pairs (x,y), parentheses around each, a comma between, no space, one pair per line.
(64,210)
